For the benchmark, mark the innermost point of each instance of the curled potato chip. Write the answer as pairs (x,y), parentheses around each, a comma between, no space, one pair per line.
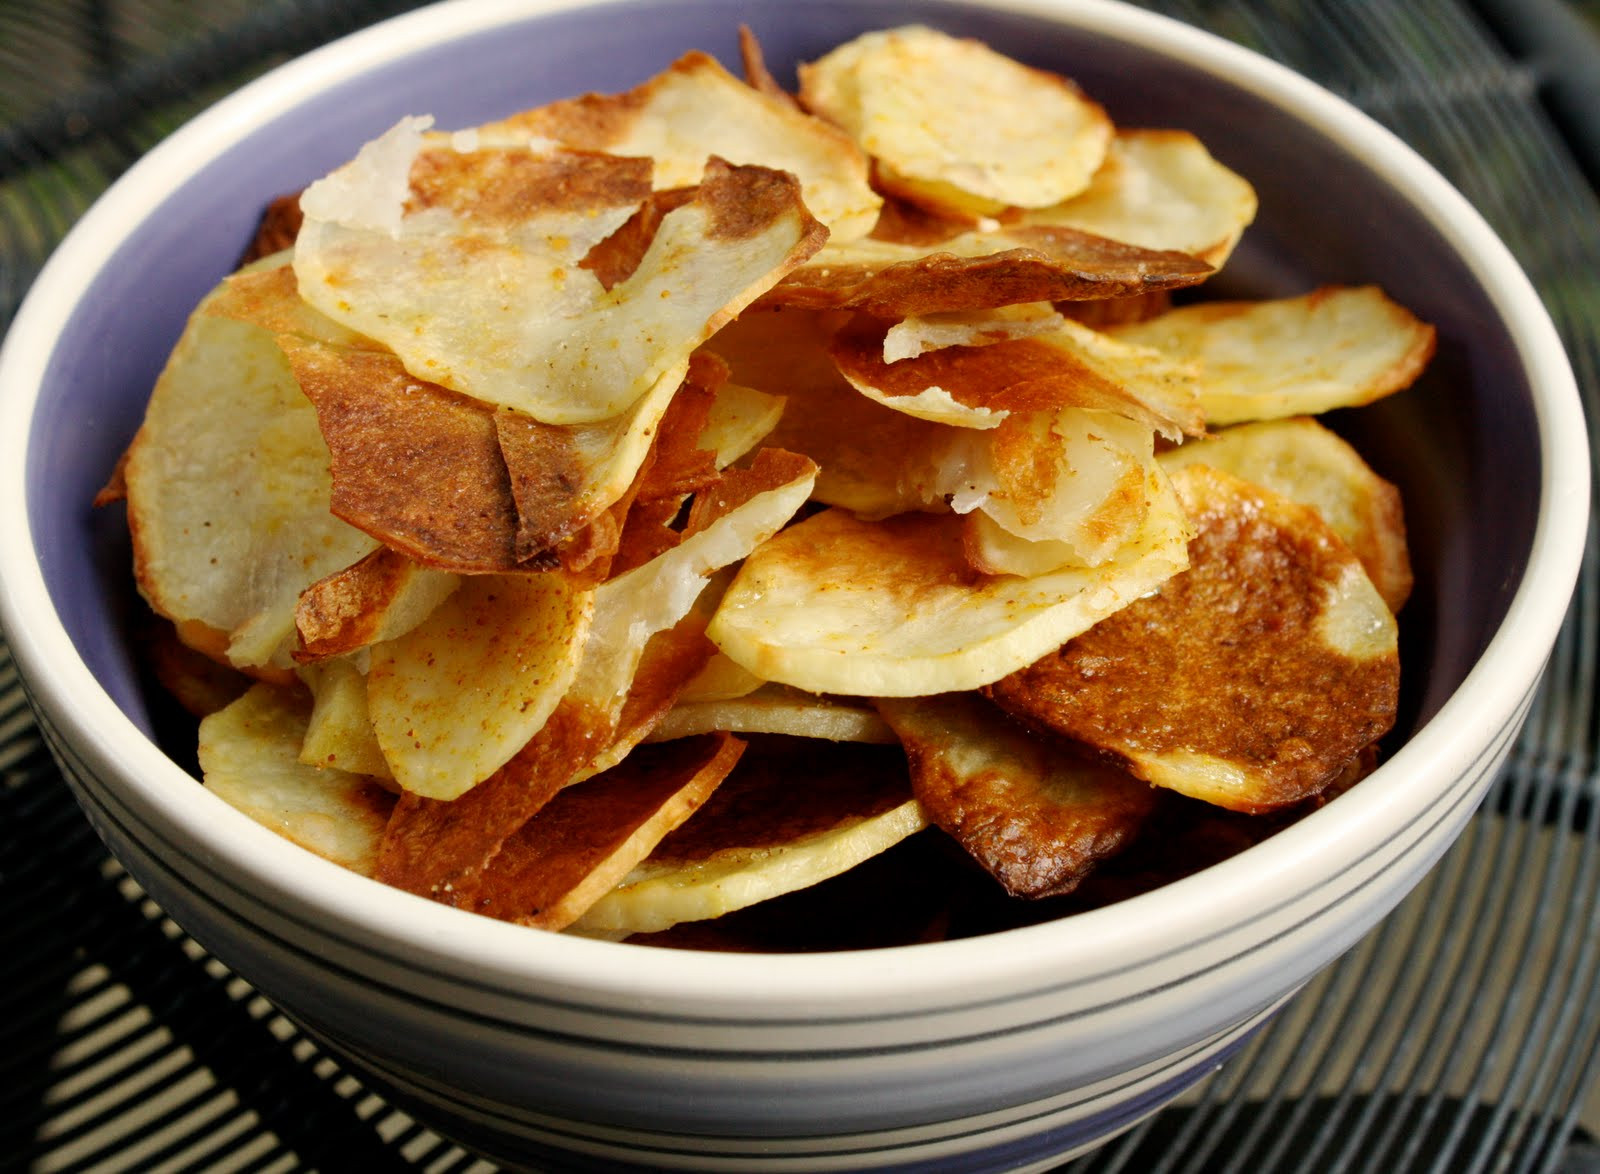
(228,491)
(760,836)
(471,268)
(1161,189)
(1309,463)
(979,269)
(249,757)
(835,604)
(585,840)
(998,370)
(455,697)
(696,108)
(954,124)
(776,709)
(1250,680)
(741,418)
(1336,347)
(1037,817)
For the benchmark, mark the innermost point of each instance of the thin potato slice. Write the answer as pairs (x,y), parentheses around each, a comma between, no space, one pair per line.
(776,709)
(980,269)
(1035,816)
(996,372)
(249,756)
(1336,347)
(228,491)
(339,728)
(383,596)
(1161,189)
(954,124)
(891,609)
(587,839)
(469,265)
(696,108)
(741,418)
(1251,680)
(1308,463)
(760,836)
(455,697)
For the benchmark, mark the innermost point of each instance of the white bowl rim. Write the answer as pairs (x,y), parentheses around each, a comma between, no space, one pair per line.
(1087,946)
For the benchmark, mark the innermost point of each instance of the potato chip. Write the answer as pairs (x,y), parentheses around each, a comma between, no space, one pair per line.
(954,124)
(977,382)
(249,756)
(1308,463)
(776,709)
(741,418)
(228,492)
(720,680)
(835,604)
(1036,816)
(759,836)
(1336,347)
(979,269)
(585,840)
(201,683)
(1161,189)
(339,728)
(1249,681)
(696,108)
(455,697)
(383,596)
(468,264)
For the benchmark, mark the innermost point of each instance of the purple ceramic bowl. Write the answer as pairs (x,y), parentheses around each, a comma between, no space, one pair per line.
(1003,1052)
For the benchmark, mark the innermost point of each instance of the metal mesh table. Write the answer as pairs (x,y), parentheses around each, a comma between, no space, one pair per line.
(1462,1035)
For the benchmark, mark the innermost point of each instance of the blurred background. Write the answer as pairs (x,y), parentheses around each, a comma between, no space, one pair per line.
(1463,1035)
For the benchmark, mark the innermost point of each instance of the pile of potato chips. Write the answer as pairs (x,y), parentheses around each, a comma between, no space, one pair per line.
(651,504)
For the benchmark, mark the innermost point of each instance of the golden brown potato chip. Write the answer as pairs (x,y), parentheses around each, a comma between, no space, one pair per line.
(228,492)
(1250,680)
(200,682)
(1036,816)
(1336,347)
(468,264)
(586,839)
(1308,463)
(279,225)
(760,835)
(1058,365)
(1161,189)
(249,755)
(695,108)
(455,697)
(835,604)
(954,124)
(383,596)
(980,269)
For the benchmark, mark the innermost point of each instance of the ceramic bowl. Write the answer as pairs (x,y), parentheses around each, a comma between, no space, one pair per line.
(1006,1051)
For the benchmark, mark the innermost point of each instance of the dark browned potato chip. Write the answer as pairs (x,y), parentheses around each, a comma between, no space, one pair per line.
(586,839)
(1036,816)
(1250,680)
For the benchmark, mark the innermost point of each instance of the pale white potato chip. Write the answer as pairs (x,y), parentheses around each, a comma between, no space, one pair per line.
(228,492)
(720,680)
(454,698)
(914,336)
(339,728)
(1335,347)
(776,709)
(249,757)
(1161,189)
(483,288)
(956,125)
(835,604)
(696,108)
(1307,462)
(741,418)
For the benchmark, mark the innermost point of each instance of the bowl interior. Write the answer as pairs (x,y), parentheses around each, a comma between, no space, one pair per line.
(1463,445)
